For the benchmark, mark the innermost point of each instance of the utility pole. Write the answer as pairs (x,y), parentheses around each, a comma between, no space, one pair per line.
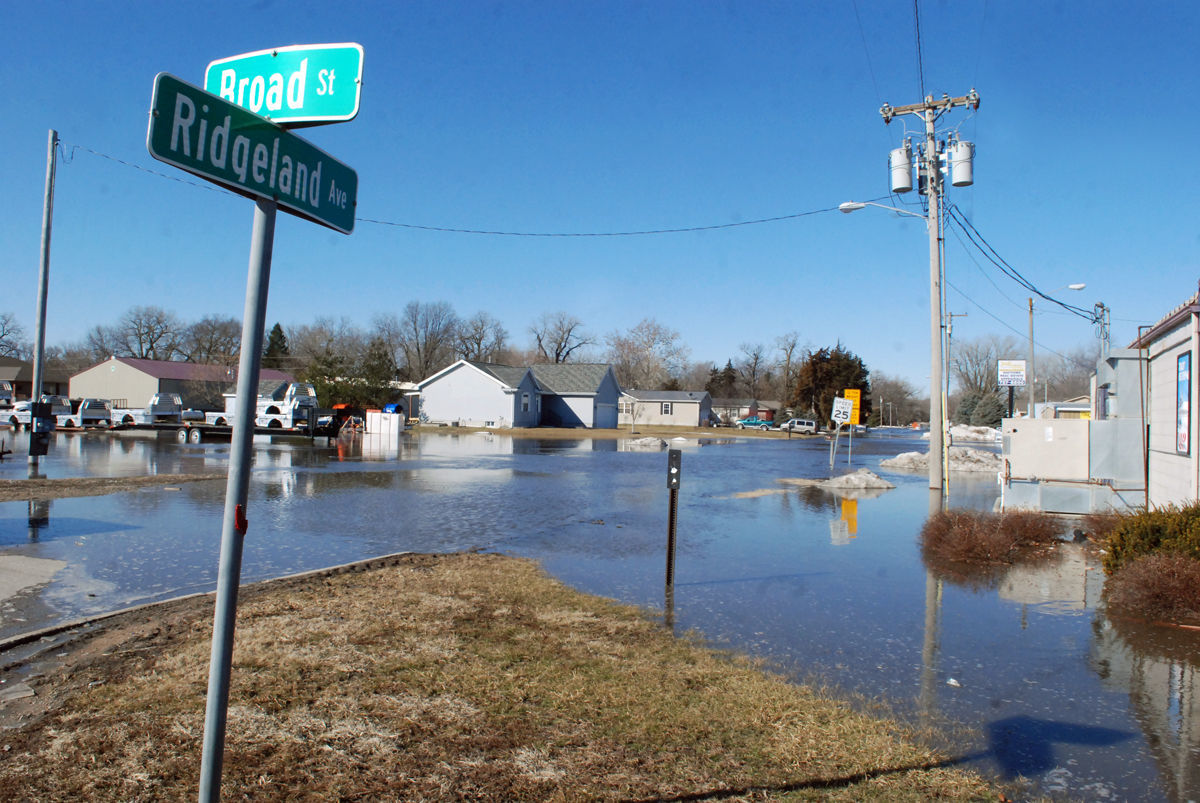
(929,110)
(37,445)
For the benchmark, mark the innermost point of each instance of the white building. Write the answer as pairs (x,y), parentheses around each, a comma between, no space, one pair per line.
(476,394)
(671,408)
(1172,348)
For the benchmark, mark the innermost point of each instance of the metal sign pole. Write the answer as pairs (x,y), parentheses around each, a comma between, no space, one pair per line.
(233,528)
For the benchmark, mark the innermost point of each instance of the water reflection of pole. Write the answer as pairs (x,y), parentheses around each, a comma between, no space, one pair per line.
(930,647)
(931,644)
(39,516)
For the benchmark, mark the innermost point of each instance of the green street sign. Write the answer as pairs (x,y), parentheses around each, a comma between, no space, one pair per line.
(223,143)
(297,85)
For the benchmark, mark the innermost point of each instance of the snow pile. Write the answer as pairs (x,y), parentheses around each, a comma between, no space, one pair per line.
(645,444)
(961,459)
(966,432)
(863,478)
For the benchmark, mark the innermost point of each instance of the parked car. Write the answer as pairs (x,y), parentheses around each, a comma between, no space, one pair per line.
(754,422)
(799,425)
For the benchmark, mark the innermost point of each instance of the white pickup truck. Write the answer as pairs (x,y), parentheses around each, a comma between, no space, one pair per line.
(285,406)
(163,408)
(60,410)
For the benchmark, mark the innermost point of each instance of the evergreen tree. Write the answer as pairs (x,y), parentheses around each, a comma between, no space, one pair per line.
(277,348)
(824,374)
(989,411)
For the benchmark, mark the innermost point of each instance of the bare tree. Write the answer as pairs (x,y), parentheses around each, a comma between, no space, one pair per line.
(480,338)
(752,368)
(422,337)
(1066,376)
(213,340)
(790,352)
(646,356)
(11,336)
(149,333)
(103,342)
(895,400)
(70,359)
(558,336)
(973,362)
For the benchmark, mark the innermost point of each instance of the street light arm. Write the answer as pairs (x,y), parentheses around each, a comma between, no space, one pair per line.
(854,206)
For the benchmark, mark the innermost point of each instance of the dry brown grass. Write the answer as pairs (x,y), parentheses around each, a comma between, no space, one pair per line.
(1164,586)
(975,548)
(449,678)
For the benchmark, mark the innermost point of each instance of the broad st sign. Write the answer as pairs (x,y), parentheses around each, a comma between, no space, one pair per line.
(221,142)
(294,86)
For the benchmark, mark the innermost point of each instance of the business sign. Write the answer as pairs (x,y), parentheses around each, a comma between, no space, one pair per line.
(223,143)
(297,85)
(1010,373)
(855,397)
(843,410)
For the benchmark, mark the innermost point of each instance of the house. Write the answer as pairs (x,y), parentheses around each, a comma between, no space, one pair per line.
(578,395)
(133,381)
(672,408)
(1171,349)
(19,374)
(477,394)
(730,410)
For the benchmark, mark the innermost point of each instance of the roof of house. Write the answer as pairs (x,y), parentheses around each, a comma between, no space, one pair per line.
(570,377)
(668,395)
(765,403)
(1168,322)
(14,370)
(510,375)
(199,372)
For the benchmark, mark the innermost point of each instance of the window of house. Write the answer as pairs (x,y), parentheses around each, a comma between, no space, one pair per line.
(625,408)
(666,408)
(524,402)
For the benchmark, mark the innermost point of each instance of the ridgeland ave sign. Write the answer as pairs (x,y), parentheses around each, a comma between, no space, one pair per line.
(221,142)
(298,85)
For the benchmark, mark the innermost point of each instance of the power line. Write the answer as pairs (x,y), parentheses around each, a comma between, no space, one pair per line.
(994,257)
(633,233)
(497,233)
(920,61)
(1000,321)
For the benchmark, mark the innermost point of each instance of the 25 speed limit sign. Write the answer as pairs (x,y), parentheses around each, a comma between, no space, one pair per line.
(843,409)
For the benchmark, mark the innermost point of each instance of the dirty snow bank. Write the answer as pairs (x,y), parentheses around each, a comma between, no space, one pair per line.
(961,459)
(965,432)
(645,444)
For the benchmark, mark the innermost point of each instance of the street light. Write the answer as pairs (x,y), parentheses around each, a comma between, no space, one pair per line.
(1030,379)
(937,417)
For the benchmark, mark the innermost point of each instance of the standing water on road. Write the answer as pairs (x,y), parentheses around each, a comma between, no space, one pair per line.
(1024,675)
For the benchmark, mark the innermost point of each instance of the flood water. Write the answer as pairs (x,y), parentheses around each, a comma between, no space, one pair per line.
(1023,674)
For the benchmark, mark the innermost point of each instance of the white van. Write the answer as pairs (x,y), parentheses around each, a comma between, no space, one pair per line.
(799,425)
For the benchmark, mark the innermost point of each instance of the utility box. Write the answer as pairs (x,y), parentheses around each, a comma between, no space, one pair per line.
(384,424)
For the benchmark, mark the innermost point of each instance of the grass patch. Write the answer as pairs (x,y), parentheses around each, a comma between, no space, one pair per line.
(450,678)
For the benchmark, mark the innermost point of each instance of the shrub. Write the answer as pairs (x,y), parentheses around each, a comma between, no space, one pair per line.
(1164,586)
(1169,529)
(968,536)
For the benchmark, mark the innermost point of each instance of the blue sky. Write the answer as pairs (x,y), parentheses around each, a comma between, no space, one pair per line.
(583,116)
